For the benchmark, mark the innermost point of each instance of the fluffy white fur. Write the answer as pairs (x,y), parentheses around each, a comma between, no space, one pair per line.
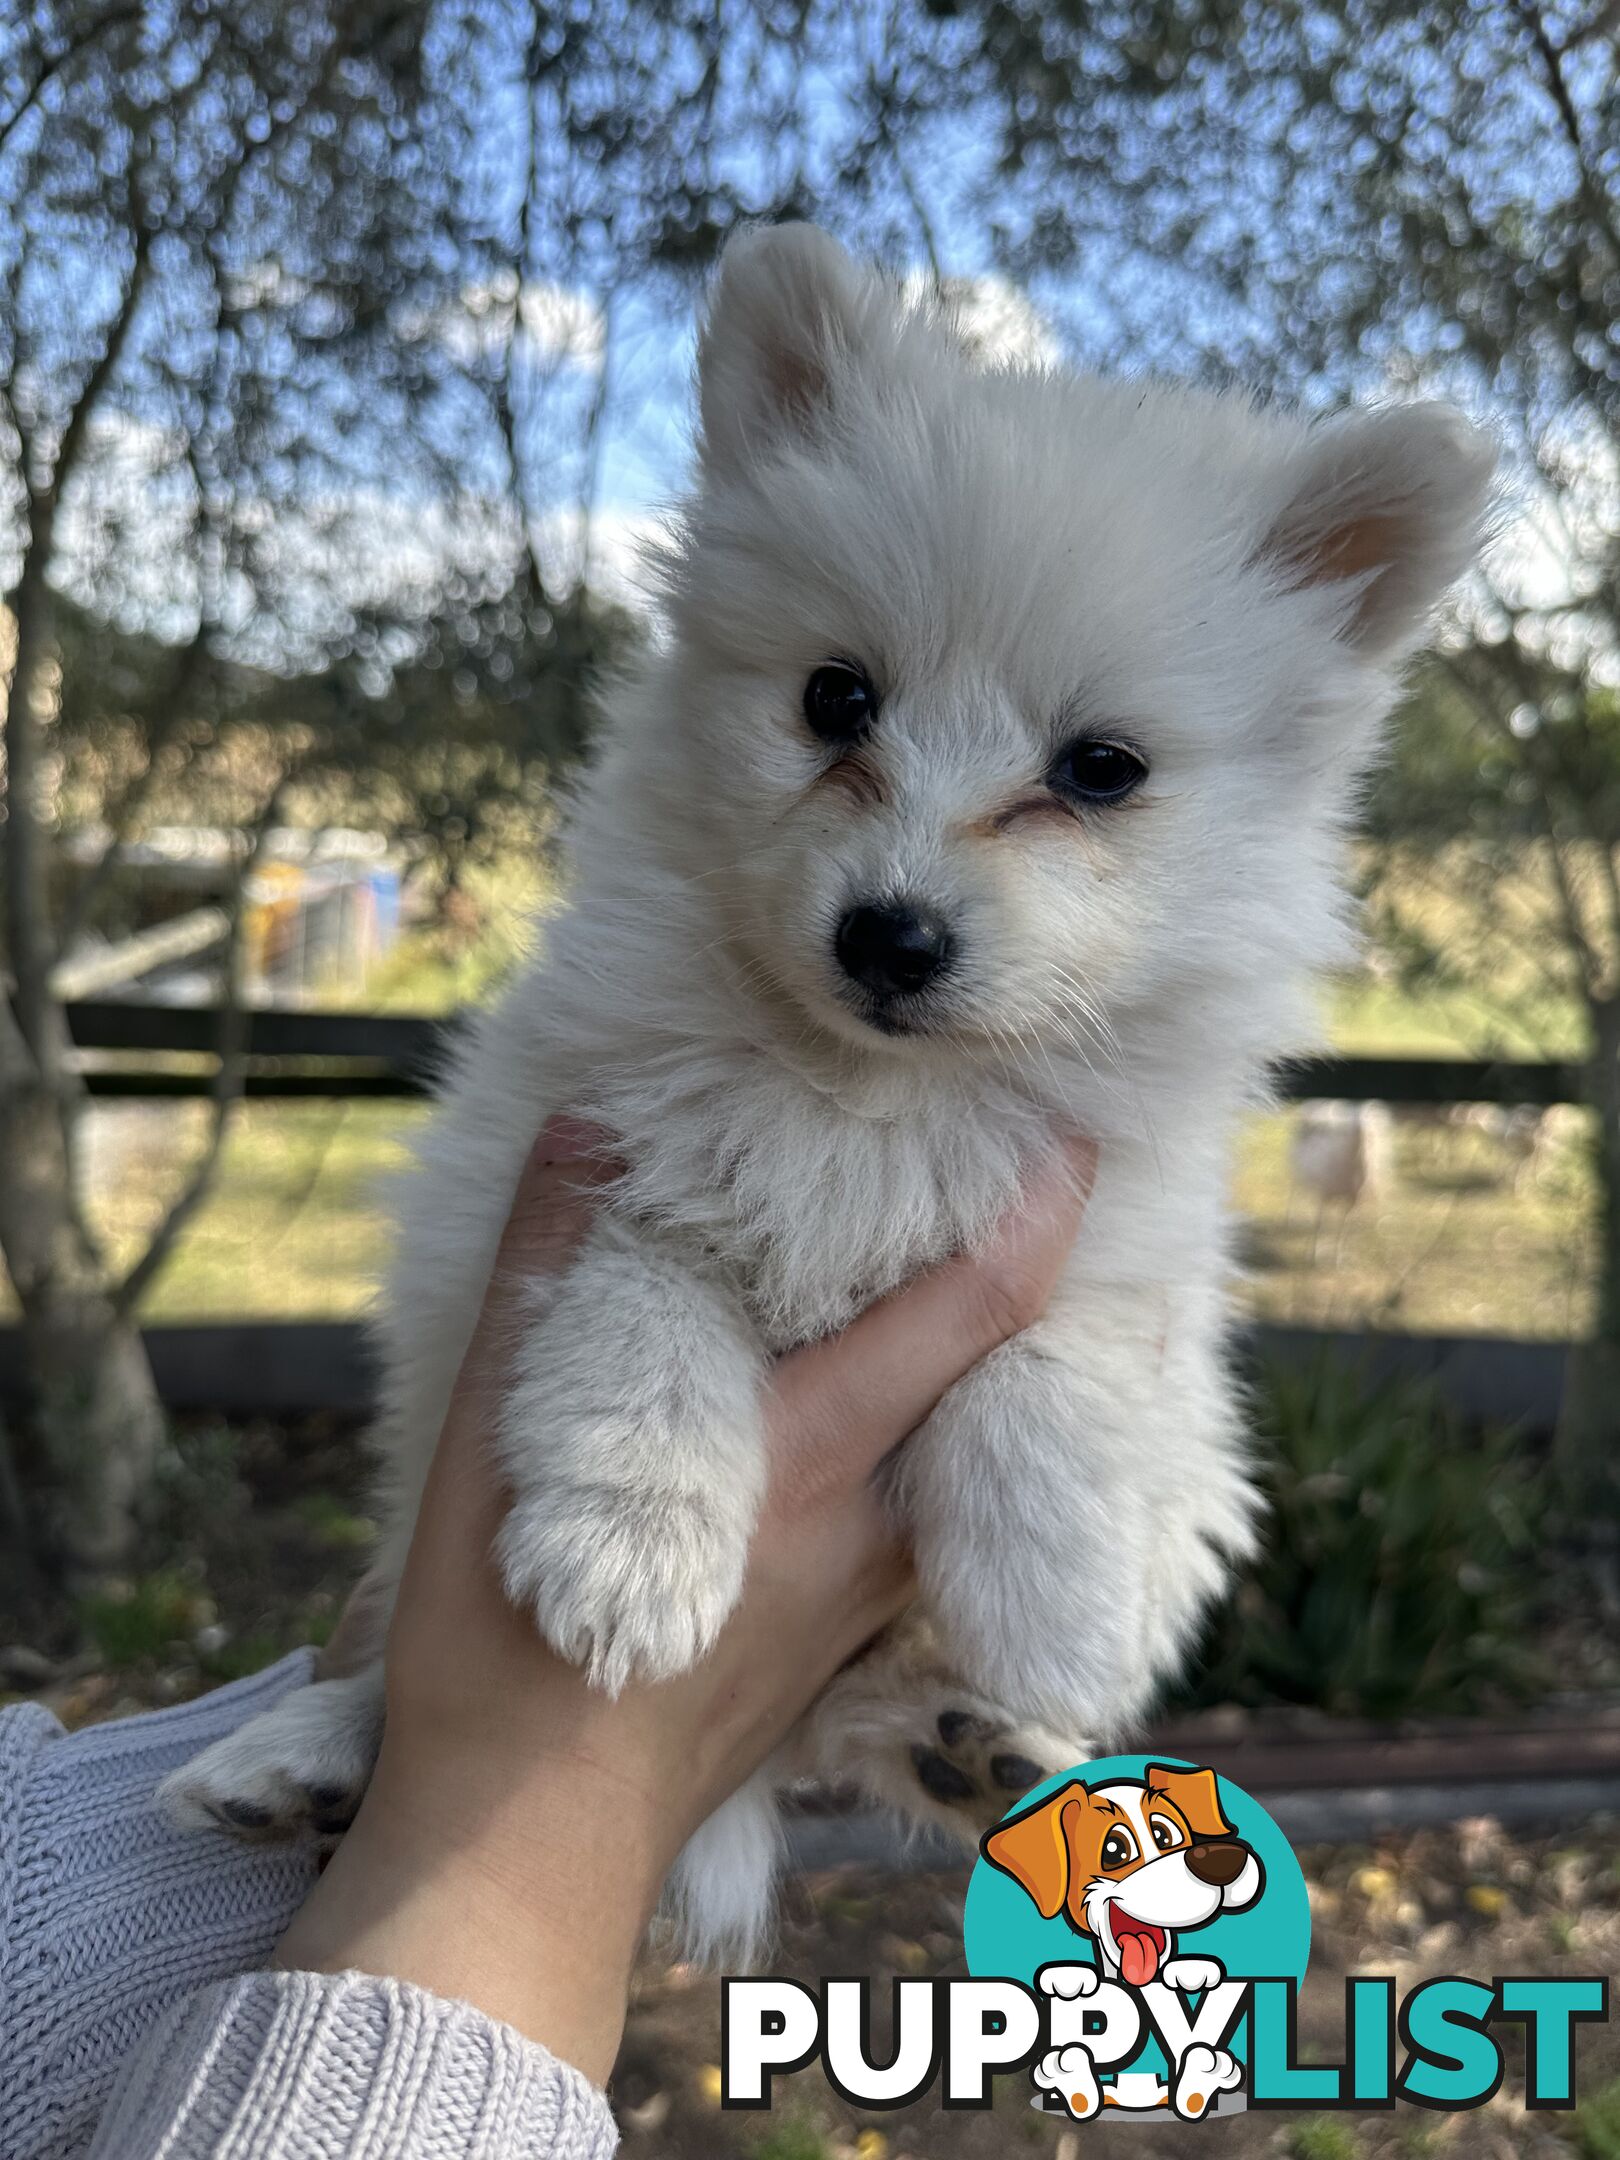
(1015,557)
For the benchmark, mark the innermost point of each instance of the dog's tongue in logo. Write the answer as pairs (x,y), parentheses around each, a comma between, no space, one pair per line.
(1141,1946)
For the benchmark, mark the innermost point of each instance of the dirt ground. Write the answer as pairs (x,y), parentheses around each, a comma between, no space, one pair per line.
(1466,1900)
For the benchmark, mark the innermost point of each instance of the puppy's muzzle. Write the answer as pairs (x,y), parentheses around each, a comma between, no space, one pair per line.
(1218,1863)
(894,949)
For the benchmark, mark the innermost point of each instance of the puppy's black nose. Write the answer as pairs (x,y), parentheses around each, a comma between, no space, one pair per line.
(894,949)
(1218,1864)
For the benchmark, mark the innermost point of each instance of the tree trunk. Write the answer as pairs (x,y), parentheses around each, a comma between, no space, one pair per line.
(1587,1453)
(92,1424)
(85,1446)
(95,1428)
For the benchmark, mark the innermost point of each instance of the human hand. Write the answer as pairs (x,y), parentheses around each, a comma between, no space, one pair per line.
(519,1823)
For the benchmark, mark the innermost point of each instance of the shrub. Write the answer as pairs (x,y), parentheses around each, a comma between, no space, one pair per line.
(795,2139)
(1597,2125)
(1319,2137)
(1397,1569)
(147,1618)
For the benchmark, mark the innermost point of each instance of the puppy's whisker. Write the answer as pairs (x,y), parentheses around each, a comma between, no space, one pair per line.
(1081,1011)
(1063,1020)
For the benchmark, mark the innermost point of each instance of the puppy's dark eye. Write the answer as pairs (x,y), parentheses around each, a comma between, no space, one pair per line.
(839,703)
(1118,1849)
(1097,772)
(1166,1834)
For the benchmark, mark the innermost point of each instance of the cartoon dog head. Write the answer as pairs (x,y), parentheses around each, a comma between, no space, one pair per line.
(1130,1863)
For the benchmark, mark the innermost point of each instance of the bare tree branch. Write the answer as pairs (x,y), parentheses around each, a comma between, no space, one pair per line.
(885,98)
(1552,66)
(1488,709)
(53,68)
(26,884)
(595,420)
(195,652)
(505,400)
(123,814)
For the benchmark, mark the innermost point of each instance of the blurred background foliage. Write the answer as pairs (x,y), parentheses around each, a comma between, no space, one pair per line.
(1398,1568)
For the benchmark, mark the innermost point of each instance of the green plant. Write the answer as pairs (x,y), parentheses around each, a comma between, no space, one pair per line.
(146,1619)
(332,1524)
(1319,2137)
(1563,1931)
(1596,2128)
(241,1655)
(196,1486)
(796,2139)
(1397,1568)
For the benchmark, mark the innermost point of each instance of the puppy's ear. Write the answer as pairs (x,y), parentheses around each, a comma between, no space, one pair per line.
(1196,1793)
(789,310)
(1033,1848)
(1388,505)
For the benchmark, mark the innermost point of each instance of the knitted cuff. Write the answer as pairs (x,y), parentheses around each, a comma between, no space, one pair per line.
(282,2065)
(108,1917)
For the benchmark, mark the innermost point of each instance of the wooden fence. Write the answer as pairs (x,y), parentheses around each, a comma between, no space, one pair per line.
(295,1054)
(275,1367)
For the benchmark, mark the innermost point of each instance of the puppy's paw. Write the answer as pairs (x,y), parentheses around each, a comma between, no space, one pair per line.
(300,1769)
(1192,1974)
(1072,2075)
(1069,1983)
(1202,2075)
(973,1763)
(900,1726)
(628,1585)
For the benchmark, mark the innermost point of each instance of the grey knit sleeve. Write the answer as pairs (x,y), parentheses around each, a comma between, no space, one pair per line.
(126,1946)
(107,1915)
(291,2066)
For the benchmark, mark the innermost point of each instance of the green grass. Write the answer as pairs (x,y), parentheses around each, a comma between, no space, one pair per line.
(331,1525)
(157,1611)
(1595,2131)
(795,2139)
(432,971)
(1319,2137)
(1460,1240)
(1471,961)
(294,1224)
(1369,1017)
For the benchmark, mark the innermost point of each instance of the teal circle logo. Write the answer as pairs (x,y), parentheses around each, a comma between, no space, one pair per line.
(1127,1893)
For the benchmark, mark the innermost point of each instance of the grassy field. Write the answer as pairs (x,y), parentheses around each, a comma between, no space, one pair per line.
(1459,1237)
(1460,1240)
(1456,1242)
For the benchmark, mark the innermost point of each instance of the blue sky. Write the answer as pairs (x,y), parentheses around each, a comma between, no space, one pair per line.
(1116,308)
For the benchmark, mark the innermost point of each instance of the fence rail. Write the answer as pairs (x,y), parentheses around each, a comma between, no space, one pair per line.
(302,1054)
(288,1367)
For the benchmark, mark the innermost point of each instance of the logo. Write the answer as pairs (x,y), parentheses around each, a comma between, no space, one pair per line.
(1138,1897)
(1136,1932)
(1160,1917)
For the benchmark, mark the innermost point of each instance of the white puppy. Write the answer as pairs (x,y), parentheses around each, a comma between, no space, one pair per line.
(990,778)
